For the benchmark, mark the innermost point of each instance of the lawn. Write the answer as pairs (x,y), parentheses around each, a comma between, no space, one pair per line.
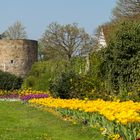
(20,121)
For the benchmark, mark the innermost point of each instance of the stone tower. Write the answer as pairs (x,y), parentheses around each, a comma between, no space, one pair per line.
(17,56)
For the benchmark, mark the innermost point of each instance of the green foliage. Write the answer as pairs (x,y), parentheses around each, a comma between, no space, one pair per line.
(61,87)
(42,73)
(94,72)
(121,60)
(73,85)
(77,64)
(9,81)
(113,71)
(74,81)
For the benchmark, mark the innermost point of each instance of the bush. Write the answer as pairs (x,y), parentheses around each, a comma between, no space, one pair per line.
(76,83)
(61,86)
(41,73)
(72,85)
(9,81)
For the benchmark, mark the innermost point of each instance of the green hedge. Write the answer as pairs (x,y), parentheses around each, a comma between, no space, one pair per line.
(9,81)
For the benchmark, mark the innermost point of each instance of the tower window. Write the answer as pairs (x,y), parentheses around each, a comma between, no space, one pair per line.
(12,61)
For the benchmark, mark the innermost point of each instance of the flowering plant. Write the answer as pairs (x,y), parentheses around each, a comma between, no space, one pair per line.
(31,96)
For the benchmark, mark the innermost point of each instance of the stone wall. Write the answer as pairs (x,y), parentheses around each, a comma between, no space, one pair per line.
(17,56)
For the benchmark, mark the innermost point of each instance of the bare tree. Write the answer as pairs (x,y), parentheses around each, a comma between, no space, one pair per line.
(126,8)
(16,31)
(66,40)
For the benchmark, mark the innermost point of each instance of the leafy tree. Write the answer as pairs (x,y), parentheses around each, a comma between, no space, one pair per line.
(126,8)
(121,59)
(65,41)
(16,31)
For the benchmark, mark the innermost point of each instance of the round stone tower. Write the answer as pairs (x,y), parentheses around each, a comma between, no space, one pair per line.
(17,56)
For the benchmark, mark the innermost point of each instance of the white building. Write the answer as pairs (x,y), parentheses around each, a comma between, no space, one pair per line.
(101,40)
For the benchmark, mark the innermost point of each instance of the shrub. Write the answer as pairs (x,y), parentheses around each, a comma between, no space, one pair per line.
(9,81)
(42,73)
(61,86)
(72,85)
(45,71)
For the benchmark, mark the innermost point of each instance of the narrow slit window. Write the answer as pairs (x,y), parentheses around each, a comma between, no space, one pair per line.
(12,61)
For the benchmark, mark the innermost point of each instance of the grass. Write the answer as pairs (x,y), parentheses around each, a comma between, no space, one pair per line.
(20,121)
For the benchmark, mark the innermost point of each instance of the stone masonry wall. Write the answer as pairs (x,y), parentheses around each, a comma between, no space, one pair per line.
(17,56)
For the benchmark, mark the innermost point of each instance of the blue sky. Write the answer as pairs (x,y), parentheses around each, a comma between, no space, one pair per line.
(36,15)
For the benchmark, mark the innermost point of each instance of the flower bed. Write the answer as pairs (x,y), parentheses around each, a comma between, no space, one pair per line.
(115,119)
(22,94)
(11,96)
(31,96)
